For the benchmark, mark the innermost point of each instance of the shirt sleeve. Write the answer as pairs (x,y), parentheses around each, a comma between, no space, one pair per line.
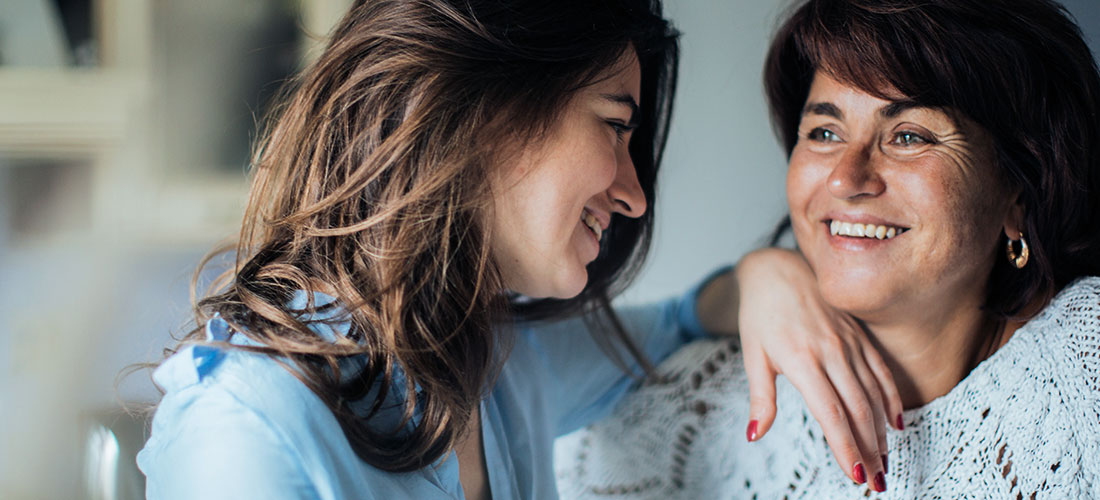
(206,444)
(582,382)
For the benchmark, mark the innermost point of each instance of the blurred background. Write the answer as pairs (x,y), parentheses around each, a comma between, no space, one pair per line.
(125,127)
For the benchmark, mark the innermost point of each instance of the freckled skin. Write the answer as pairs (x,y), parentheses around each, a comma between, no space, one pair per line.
(539,242)
(945,190)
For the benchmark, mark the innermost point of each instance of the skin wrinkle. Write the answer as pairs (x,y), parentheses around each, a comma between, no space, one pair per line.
(920,294)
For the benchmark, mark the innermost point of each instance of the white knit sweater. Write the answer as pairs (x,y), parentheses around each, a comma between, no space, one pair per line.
(1024,424)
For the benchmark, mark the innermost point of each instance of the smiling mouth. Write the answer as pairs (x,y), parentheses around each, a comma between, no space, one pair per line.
(858,230)
(593,224)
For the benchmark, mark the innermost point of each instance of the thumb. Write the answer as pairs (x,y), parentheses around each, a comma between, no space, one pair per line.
(761,377)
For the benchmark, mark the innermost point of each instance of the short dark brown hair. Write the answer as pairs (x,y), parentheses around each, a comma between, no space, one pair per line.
(1019,68)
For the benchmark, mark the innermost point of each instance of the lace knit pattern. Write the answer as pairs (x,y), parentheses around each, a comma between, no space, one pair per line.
(1024,424)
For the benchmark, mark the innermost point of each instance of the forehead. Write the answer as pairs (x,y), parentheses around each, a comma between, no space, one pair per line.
(624,76)
(831,97)
(826,88)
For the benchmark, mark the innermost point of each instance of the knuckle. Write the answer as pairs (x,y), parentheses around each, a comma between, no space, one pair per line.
(862,412)
(834,413)
(876,400)
(875,362)
(849,451)
(833,344)
(799,350)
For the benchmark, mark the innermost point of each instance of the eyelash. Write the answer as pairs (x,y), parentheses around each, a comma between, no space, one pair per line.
(621,130)
(915,139)
(818,134)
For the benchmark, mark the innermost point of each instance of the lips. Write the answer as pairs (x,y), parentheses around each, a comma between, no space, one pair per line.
(856,226)
(593,223)
(864,230)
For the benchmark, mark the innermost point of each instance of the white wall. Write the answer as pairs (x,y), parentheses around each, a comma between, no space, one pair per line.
(721,189)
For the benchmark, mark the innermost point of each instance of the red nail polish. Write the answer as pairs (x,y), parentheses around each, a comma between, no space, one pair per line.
(885,470)
(860,473)
(880,482)
(901,425)
(750,433)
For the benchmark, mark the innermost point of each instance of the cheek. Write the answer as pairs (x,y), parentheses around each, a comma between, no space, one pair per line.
(966,185)
(804,178)
(580,165)
(593,166)
(796,182)
(961,214)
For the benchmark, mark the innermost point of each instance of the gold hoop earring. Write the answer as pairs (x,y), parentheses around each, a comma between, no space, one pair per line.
(1018,260)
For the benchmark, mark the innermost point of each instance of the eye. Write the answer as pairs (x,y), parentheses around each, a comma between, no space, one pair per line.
(822,134)
(910,138)
(621,129)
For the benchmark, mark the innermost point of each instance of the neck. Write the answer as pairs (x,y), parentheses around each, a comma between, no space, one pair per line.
(931,353)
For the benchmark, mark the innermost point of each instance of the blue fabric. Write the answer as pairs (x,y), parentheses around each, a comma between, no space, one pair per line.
(235,424)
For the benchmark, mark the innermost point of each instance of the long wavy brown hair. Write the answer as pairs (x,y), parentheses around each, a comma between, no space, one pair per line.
(370,185)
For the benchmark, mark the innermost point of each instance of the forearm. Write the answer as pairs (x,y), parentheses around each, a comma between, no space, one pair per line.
(717,304)
(719,301)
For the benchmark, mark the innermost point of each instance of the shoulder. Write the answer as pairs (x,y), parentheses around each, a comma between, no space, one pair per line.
(1070,325)
(1073,316)
(221,380)
(1080,296)
(232,419)
(669,432)
(201,380)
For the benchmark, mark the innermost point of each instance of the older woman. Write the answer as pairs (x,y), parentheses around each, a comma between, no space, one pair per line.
(944,189)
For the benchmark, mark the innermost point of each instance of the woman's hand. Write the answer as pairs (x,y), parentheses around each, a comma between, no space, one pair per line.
(786,328)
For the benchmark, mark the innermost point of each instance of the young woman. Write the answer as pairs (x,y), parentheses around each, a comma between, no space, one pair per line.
(444,176)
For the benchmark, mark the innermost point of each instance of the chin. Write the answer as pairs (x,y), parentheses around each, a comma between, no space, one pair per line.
(563,286)
(572,286)
(853,297)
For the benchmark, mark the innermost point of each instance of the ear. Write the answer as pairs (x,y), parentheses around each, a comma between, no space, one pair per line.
(1014,218)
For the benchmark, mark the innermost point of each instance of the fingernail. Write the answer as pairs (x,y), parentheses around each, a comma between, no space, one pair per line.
(750,433)
(860,473)
(880,482)
(885,470)
(901,425)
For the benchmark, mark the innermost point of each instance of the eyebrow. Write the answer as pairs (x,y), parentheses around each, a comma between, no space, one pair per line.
(829,109)
(626,100)
(822,108)
(897,107)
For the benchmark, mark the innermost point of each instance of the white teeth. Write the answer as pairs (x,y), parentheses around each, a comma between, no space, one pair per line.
(857,230)
(593,224)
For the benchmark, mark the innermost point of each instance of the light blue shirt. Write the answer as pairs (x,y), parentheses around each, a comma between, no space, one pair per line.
(234,424)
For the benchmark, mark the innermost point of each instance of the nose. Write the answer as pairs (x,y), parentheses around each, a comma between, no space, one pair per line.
(854,175)
(627,196)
